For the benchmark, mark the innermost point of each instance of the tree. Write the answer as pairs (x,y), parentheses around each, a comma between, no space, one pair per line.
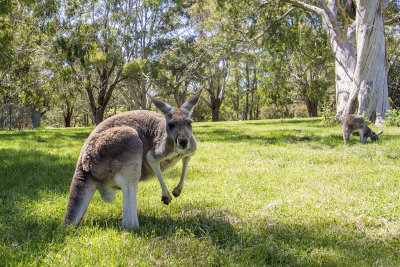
(92,45)
(154,29)
(110,41)
(180,69)
(361,74)
(309,61)
(216,54)
(26,29)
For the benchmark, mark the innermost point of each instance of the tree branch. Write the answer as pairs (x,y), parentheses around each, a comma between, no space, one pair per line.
(387,3)
(307,7)
(332,19)
(394,20)
(342,13)
(325,13)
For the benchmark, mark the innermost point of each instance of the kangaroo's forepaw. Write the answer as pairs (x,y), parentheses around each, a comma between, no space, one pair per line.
(166,199)
(176,192)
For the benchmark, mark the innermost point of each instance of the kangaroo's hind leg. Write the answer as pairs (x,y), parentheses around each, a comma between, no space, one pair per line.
(127,178)
(346,134)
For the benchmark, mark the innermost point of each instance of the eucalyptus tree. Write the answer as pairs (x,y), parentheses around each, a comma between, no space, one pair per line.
(180,69)
(26,29)
(356,36)
(310,61)
(154,28)
(106,42)
(216,78)
(92,46)
(217,54)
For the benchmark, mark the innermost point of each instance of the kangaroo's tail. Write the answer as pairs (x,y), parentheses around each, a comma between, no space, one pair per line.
(81,191)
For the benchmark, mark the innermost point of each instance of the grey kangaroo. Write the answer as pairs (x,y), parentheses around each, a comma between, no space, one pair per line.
(128,148)
(355,124)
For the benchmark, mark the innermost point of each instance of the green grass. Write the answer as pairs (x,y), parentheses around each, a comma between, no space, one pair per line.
(276,192)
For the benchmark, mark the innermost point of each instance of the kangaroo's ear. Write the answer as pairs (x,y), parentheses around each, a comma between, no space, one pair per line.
(188,105)
(379,133)
(164,107)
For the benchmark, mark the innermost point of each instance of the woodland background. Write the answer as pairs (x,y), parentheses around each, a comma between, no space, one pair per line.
(80,61)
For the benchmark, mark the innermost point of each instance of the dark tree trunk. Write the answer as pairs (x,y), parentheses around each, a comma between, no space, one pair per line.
(215,113)
(68,112)
(67,121)
(104,94)
(312,107)
(237,101)
(98,115)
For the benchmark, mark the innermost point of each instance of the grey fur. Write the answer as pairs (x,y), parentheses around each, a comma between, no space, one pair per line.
(128,148)
(355,124)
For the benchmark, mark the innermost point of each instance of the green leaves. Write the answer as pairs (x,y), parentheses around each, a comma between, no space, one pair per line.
(135,68)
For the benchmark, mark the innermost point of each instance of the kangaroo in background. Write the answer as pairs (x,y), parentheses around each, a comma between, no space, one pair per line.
(128,148)
(355,124)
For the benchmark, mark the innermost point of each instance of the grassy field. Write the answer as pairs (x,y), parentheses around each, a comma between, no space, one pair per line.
(276,192)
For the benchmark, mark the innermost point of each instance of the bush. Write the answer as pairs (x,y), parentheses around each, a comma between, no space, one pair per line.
(328,113)
(274,112)
(300,111)
(392,118)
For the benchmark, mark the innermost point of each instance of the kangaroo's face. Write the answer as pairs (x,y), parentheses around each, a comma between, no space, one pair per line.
(178,120)
(375,136)
(179,128)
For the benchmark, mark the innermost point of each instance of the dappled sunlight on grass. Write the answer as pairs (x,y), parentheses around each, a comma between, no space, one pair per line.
(274,192)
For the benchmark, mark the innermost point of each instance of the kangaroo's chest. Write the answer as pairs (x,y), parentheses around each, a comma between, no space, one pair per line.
(170,161)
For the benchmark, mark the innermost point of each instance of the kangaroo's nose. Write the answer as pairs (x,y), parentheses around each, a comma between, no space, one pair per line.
(183,143)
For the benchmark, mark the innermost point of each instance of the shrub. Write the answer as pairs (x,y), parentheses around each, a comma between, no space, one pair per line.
(392,118)
(328,113)
(274,112)
(300,111)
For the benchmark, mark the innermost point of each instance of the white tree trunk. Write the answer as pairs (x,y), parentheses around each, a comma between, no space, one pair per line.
(345,64)
(343,46)
(369,84)
(360,70)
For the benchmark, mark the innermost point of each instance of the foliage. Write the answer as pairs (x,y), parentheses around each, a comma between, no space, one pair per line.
(275,112)
(84,60)
(247,200)
(394,83)
(329,113)
(392,117)
(25,30)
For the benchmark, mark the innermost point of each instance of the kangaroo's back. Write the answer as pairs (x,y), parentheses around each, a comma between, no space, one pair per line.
(355,124)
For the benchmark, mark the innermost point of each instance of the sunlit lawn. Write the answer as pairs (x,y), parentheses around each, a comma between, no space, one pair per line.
(276,192)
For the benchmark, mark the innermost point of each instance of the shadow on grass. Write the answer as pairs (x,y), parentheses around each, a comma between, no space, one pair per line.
(49,135)
(27,172)
(24,173)
(272,137)
(264,243)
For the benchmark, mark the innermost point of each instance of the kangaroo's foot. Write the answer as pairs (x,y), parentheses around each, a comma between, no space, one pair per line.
(166,199)
(177,191)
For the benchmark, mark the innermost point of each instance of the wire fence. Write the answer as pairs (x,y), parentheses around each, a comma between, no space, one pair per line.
(13,117)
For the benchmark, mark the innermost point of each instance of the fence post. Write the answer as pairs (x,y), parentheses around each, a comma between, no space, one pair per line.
(10,127)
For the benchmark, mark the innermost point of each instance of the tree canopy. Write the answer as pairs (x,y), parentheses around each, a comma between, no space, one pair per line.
(81,61)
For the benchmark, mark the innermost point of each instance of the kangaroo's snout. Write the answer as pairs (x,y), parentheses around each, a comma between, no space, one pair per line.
(182,143)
